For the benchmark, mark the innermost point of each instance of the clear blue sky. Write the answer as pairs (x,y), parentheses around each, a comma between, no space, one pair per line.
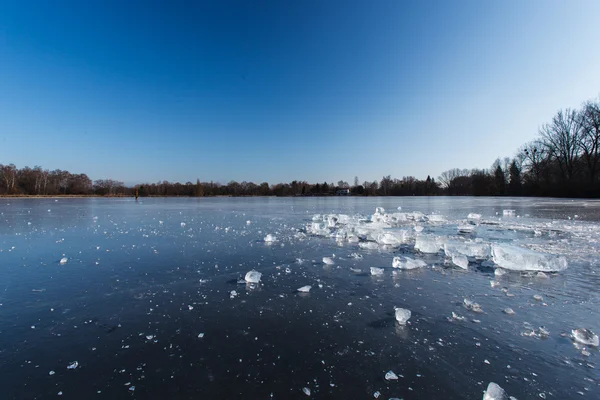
(143,91)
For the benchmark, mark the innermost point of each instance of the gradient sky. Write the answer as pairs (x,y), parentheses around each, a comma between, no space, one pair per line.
(142,91)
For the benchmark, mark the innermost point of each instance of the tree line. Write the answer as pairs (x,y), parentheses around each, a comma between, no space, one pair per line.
(563,161)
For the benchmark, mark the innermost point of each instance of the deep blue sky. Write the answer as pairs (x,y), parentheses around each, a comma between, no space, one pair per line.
(280,90)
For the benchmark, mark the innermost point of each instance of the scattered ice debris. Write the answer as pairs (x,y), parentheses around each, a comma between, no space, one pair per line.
(305,289)
(509,311)
(391,376)
(377,271)
(73,365)
(494,392)
(306,391)
(460,261)
(328,260)
(509,213)
(63,260)
(457,317)
(472,306)
(233,294)
(402,315)
(407,263)
(540,333)
(270,238)
(520,259)
(586,337)
(252,276)
(537,297)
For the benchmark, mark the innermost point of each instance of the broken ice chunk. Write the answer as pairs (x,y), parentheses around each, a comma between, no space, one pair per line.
(270,238)
(474,216)
(494,392)
(377,271)
(391,376)
(328,260)
(388,239)
(427,244)
(499,272)
(306,391)
(183,224)
(305,289)
(63,260)
(585,336)
(520,259)
(402,315)
(509,311)
(537,297)
(407,263)
(252,276)
(368,245)
(460,261)
(466,228)
(437,218)
(73,365)
(233,294)
(472,306)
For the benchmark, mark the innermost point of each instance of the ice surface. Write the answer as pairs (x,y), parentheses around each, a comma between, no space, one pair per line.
(407,263)
(585,336)
(478,250)
(391,376)
(270,238)
(402,315)
(428,244)
(252,276)
(377,271)
(494,392)
(305,289)
(520,259)
(460,261)
(63,260)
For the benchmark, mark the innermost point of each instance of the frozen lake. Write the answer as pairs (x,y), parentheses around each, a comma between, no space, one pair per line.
(148,298)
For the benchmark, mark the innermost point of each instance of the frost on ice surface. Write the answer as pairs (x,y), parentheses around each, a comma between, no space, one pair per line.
(391,376)
(407,263)
(460,261)
(585,336)
(328,260)
(520,259)
(402,315)
(305,289)
(377,271)
(494,392)
(252,276)
(73,365)
(63,260)
(270,238)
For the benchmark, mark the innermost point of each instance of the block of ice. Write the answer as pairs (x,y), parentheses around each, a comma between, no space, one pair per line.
(402,315)
(427,244)
(252,276)
(368,245)
(520,259)
(460,261)
(270,238)
(63,260)
(494,392)
(509,213)
(585,336)
(466,228)
(480,251)
(328,261)
(472,306)
(377,271)
(305,289)
(437,218)
(306,391)
(388,239)
(407,263)
(73,365)
(391,376)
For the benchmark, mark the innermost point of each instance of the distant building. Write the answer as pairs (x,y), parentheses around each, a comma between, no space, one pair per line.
(342,192)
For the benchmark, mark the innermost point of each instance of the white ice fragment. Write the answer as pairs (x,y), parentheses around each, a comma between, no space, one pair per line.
(472,306)
(402,315)
(437,218)
(306,391)
(63,260)
(537,297)
(200,335)
(328,261)
(73,365)
(520,259)
(407,263)
(376,394)
(509,311)
(480,251)
(418,228)
(466,228)
(474,216)
(270,238)
(368,245)
(379,210)
(542,275)
(388,239)
(377,271)
(51,373)
(585,336)
(305,289)
(252,276)
(460,261)
(427,244)
(500,272)
(248,222)
(391,376)
(494,392)
(183,224)
(509,213)
(233,294)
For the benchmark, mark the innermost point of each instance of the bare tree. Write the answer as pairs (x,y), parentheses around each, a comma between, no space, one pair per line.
(561,138)
(589,141)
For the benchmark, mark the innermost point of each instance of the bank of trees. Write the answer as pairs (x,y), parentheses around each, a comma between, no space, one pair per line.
(563,161)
